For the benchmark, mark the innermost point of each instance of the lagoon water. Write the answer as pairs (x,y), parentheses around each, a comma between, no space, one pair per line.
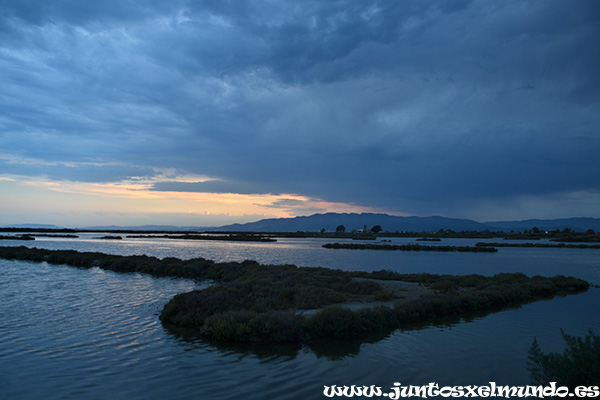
(68,333)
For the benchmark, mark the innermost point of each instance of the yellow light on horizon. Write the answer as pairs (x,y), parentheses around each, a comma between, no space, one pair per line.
(117,198)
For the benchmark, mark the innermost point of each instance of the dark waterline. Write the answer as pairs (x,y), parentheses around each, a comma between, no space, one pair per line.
(69,333)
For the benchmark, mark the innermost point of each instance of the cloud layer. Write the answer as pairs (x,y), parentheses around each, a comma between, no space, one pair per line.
(467,109)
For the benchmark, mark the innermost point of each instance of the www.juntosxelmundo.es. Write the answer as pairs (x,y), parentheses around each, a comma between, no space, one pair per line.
(432,389)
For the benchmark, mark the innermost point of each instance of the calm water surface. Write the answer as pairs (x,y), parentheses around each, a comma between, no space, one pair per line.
(93,334)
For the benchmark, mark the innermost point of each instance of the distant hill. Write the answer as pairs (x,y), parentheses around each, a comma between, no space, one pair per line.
(33,226)
(330,221)
(390,223)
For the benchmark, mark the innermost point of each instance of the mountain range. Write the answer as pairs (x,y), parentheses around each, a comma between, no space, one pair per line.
(390,223)
(331,221)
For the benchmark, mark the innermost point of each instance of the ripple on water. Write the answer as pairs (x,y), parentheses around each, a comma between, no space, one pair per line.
(77,327)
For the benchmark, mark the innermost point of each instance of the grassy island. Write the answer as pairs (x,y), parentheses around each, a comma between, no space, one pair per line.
(410,247)
(53,235)
(233,238)
(17,237)
(250,302)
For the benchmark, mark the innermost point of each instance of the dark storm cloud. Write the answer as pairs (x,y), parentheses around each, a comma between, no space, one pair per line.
(296,207)
(40,12)
(408,106)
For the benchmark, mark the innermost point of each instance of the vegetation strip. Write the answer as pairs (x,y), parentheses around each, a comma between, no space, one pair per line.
(540,245)
(253,302)
(53,235)
(234,238)
(17,237)
(409,247)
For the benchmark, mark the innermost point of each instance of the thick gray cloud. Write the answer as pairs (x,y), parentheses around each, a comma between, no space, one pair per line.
(407,106)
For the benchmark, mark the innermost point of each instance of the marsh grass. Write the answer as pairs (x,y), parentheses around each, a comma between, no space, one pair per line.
(251,302)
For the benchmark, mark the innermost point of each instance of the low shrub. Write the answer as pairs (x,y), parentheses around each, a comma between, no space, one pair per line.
(361,287)
(375,319)
(332,322)
(444,286)
(278,327)
(229,326)
(383,295)
(578,365)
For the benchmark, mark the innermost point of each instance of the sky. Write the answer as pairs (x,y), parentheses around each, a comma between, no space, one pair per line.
(205,113)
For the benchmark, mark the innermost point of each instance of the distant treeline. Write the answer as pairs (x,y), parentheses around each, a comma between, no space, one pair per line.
(539,245)
(52,235)
(409,247)
(234,238)
(32,236)
(17,237)
(565,235)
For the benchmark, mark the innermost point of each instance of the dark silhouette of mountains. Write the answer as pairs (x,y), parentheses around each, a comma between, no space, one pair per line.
(330,221)
(389,223)
(32,226)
